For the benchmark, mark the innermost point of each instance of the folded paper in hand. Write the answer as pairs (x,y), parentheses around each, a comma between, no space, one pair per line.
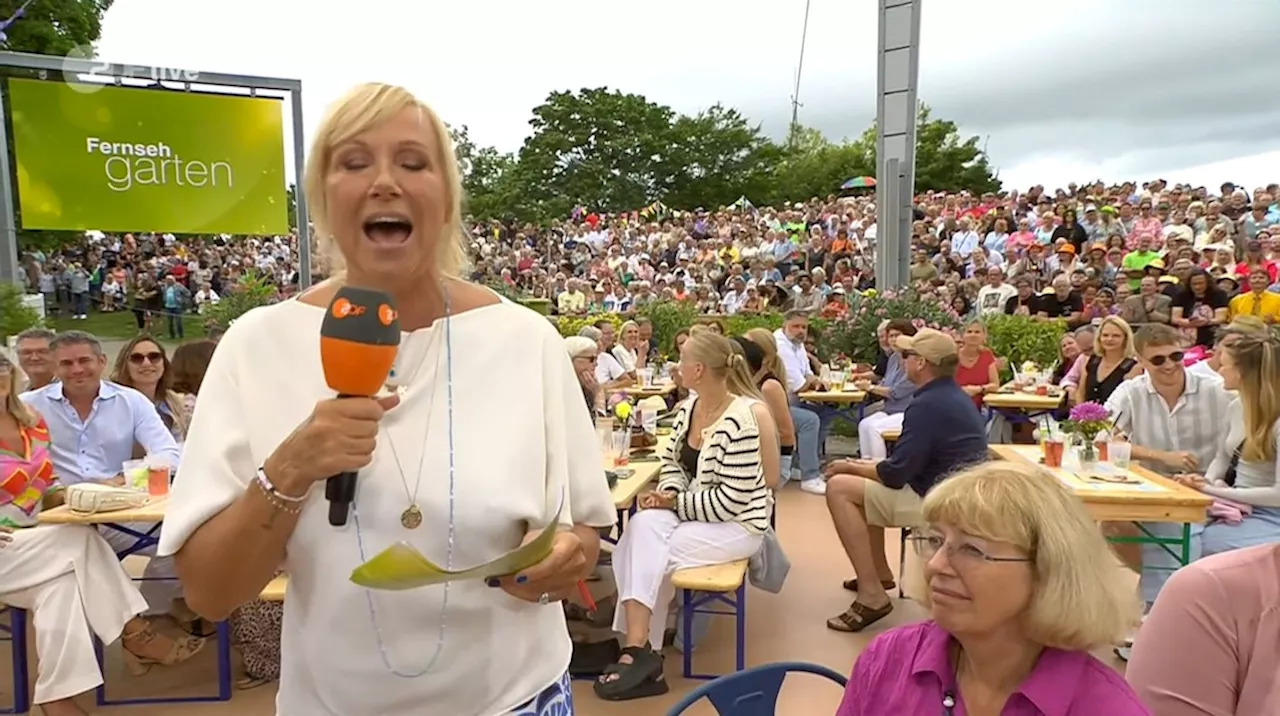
(401,566)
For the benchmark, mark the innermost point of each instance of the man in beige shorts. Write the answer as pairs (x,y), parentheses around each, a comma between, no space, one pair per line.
(942,431)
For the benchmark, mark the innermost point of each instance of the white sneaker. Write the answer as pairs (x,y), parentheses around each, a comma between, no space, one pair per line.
(815,486)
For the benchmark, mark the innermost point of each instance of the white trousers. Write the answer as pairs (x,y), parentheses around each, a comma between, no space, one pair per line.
(68,577)
(160,586)
(871,430)
(655,544)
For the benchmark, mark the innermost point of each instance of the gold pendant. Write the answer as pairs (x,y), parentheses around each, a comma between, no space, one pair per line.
(411,518)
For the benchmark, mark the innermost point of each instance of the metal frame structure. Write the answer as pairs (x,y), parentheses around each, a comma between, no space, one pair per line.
(896,110)
(54,69)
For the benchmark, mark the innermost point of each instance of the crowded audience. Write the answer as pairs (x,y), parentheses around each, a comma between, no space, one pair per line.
(1166,297)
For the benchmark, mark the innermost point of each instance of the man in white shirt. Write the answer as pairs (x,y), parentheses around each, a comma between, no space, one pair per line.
(1174,420)
(609,372)
(808,418)
(993,296)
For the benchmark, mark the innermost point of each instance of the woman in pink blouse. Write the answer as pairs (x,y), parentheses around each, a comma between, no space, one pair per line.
(1021,585)
(1211,644)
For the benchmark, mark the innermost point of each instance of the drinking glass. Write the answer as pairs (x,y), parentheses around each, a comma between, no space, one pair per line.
(157,477)
(136,475)
(1053,449)
(621,447)
(1120,453)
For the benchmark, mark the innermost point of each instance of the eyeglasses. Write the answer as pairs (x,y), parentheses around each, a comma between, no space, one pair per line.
(960,555)
(140,358)
(1175,356)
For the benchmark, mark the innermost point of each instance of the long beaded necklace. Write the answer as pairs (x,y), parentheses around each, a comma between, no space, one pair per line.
(355,505)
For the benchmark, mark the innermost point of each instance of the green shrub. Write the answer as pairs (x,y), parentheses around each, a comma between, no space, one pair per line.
(15,315)
(1022,338)
(245,295)
(857,339)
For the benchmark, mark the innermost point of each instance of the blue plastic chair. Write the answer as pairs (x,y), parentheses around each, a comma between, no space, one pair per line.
(753,692)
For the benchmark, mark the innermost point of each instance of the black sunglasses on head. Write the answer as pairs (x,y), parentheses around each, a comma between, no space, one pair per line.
(1176,357)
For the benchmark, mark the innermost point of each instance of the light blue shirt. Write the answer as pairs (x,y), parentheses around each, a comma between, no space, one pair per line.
(900,388)
(97,448)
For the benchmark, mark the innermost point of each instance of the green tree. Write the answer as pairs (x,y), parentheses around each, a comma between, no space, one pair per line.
(598,147)
(944,161)
(51,27)
(715,157)
(54,27)
(488,178)
(813,165)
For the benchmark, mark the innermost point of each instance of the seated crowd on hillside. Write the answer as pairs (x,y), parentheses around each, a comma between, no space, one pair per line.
(1167,292)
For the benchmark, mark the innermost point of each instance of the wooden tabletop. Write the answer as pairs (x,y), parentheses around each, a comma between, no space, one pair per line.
(660,390)
(1157,499)
(1022,401)
(645,473)
(153,511)
(833,396)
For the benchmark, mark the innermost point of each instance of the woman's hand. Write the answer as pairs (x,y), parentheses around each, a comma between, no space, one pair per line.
(588,380)
(1192,480)
(6,536)
(339,436)
(556,576)
(657,501)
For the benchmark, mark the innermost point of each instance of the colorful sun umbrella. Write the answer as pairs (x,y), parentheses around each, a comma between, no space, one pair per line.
(859,183)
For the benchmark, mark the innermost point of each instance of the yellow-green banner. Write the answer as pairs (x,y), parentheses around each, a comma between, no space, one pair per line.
(122,158)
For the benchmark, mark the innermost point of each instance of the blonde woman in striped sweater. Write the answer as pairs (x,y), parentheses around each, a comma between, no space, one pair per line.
(711,506)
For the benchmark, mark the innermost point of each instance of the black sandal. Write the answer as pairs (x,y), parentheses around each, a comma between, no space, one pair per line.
(639,679)
(858,617)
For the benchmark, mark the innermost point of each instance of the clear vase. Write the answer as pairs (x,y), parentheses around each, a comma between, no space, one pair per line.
(1087,455)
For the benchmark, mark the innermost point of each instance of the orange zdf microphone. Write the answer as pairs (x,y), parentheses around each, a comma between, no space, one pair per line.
(359,338)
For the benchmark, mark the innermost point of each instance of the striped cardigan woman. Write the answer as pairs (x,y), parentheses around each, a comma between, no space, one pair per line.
(711,505)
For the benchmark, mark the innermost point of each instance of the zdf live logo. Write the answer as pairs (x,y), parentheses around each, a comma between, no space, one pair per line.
(97,75)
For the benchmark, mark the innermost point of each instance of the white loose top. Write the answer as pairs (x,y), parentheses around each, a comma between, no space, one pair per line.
(521,439)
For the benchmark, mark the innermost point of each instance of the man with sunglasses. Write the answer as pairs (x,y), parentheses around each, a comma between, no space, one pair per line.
(1174,420)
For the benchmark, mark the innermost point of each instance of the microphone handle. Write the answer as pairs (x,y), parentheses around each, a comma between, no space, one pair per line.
(340,491)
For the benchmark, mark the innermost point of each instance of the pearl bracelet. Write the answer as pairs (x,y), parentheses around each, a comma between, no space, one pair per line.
(265,483)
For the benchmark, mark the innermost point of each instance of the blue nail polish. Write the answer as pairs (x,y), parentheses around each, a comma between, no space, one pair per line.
(521,579)
(492,582)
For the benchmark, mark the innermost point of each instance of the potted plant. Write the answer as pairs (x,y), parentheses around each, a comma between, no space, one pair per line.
(1084,424)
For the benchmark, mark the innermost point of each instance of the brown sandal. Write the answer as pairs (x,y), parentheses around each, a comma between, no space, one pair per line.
(858,617)
(852,584)
(143,649)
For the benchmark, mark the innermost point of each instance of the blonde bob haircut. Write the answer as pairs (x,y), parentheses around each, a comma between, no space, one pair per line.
(364,107)
(1121,325)
(1082,597)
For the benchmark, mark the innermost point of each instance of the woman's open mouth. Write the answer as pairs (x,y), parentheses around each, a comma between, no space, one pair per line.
(388,229)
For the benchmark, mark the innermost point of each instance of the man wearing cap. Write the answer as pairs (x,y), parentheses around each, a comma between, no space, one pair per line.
(941,432)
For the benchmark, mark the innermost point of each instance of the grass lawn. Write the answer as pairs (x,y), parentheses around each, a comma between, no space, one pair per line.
(120,326)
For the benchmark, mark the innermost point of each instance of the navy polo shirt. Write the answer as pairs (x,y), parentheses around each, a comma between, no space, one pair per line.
(941,433)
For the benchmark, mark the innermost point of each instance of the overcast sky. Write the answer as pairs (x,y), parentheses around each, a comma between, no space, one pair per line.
(1112,89)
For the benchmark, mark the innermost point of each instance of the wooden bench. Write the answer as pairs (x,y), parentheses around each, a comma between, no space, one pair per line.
(275,589)
(891,438)
(702,588)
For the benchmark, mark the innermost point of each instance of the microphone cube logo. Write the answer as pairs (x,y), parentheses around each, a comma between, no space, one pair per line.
(99,72)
